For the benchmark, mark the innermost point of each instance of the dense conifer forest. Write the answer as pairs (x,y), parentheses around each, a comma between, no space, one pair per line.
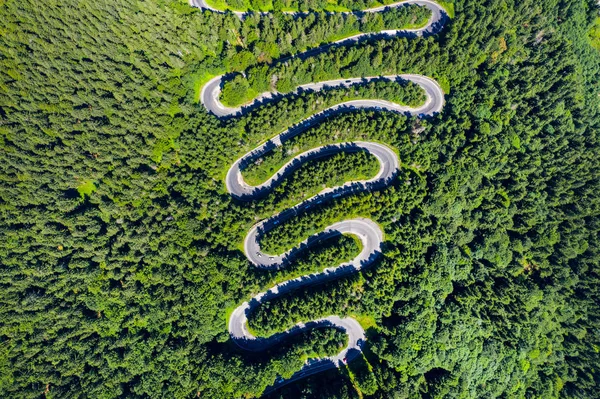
(121,249)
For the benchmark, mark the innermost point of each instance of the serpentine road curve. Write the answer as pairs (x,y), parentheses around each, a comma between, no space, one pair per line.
(211,91)
(367,231)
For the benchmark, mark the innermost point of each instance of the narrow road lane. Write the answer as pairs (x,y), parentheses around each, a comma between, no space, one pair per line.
(437,13)
(209,96)
(368,232)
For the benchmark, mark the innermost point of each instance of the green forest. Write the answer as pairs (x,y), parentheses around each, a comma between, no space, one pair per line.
(121,249)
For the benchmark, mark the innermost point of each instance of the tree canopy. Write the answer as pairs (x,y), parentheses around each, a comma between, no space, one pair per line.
(120,248)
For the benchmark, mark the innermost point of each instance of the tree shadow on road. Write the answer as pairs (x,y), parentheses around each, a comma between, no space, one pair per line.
(330,384)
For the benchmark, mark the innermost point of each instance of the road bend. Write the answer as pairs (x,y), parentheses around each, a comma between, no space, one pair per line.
(368,232)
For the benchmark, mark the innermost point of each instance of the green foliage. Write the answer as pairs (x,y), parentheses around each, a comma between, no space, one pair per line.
(448,6)
(362,376)
(332,252)
(316,176)
(301,33)
(487,285)
(86,188)
(595,33)
(237,92)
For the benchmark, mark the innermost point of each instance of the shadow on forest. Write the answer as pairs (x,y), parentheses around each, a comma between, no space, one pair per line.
(334,383)
(279,354)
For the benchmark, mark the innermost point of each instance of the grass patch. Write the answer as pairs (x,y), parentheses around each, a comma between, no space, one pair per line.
(228,311)
(245,6)
(333,6)
(334,37)
(220,5)
(199,80)
(449,7)
(444,84)
(365,321)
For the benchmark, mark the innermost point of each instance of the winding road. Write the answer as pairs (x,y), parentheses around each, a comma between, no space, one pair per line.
(211,91)
(367,231)
(437,11)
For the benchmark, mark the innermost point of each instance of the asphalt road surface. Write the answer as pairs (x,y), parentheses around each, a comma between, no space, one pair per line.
(437,11)
(367,231)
